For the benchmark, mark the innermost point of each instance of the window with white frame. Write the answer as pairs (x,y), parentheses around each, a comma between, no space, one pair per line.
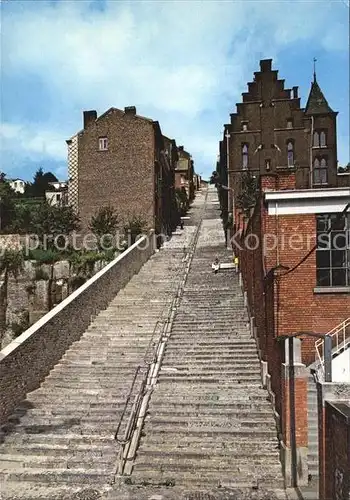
(333,250)
(103,144)
(316,140)
(323,139)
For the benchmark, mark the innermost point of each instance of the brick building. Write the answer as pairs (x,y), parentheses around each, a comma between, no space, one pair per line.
(271,133)
(184,173)
(293,241)
(122,159)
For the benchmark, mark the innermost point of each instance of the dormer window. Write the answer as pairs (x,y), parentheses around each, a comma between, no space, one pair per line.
(103,144)
(244,156)
(289,123)
(244,126)
(290,153)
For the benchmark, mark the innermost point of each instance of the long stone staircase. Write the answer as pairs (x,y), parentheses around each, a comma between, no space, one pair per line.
(209,425)
(61,438)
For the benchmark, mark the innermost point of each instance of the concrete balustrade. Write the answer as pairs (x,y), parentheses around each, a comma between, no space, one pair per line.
(26,361)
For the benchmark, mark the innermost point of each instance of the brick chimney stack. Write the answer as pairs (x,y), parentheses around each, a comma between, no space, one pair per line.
(130,110)
(89,117)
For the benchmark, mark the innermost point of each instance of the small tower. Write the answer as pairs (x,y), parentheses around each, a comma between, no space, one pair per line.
(323,140)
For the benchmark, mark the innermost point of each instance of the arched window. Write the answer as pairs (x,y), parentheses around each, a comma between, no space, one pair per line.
(323,138)
(244,156)
(320,172)
(316,142)
(290,153)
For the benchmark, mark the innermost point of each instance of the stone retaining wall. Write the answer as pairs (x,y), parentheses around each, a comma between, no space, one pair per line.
(27,360)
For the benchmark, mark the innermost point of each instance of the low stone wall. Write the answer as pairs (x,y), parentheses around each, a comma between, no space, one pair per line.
(28,359)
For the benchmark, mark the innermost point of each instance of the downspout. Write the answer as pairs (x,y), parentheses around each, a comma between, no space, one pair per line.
(311,142)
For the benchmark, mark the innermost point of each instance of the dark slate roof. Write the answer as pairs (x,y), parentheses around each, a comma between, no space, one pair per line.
(317,103)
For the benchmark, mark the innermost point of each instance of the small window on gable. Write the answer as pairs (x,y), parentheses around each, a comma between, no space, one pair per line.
(290,123)
(103,144)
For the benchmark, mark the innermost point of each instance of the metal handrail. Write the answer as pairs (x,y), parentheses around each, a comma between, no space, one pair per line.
(149,374)
(339,333)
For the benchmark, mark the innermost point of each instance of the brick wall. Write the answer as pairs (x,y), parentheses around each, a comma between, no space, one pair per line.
(28,359)
(122,176)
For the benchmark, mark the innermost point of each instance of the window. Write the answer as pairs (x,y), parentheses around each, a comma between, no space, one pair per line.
(320,172)
(290,123)
(103,144)
(290,153)
(244,156)
(320,139)
(244,126)
(267,164)
(333,250)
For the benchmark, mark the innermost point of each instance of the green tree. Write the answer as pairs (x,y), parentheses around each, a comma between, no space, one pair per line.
(7,206)
(182,200)
(11,264)
(104,225)
(48,257)
(135,227)
(40,184)
(53,223)
(248,195)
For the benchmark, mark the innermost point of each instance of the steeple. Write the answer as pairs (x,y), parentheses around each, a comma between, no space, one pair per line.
(317,103)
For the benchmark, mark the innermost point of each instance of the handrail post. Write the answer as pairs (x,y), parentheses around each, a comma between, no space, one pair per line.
(327,355)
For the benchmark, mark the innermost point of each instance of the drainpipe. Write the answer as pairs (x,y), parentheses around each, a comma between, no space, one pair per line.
(311,143)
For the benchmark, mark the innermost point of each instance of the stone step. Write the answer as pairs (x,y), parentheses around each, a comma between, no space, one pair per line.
(64,475)
(205,431)
(13,490)
(173,477)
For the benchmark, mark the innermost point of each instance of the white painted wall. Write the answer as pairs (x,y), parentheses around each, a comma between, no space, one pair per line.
(341,367)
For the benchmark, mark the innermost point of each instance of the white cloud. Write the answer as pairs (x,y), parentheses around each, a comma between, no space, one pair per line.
(174,60)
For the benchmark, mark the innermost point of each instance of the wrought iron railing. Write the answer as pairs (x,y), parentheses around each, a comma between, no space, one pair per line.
(340,336)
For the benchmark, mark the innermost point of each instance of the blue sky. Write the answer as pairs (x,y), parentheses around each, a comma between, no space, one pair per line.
(184,64)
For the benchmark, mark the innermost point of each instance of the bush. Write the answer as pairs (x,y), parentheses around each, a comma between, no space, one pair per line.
(44,256)
(18,327)
(76,282)
(135,227)
(40,274)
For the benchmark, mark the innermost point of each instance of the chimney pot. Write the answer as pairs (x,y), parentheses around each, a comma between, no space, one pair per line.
(181,148)
(89,117)
(130,110)
(295,92)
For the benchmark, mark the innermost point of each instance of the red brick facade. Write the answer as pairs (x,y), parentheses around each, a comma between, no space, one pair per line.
(130,172)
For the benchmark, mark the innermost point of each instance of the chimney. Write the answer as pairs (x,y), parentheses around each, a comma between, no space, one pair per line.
(295,92)
(89,117)
(265,65)
(130,110)
(180,148)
